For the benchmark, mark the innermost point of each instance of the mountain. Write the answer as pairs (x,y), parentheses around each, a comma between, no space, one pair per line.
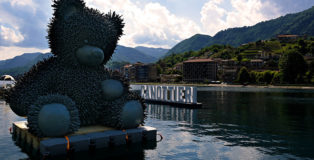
(20,64)
(194,43)
(128,54)
(154,52)
(301,23)
(18,61)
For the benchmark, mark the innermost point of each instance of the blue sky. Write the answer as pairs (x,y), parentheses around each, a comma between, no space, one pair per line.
(151,23)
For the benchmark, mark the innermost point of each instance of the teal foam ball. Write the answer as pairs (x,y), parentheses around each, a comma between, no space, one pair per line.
(112,89)
(132,114)
(54,120)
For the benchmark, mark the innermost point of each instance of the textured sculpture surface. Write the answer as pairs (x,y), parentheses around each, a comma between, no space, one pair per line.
(73,85)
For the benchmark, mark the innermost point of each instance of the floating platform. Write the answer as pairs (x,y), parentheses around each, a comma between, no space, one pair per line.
(88,138)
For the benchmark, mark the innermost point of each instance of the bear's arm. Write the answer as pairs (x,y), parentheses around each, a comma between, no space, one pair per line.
(37,82)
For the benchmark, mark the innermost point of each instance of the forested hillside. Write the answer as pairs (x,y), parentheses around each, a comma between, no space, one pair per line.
(301,23)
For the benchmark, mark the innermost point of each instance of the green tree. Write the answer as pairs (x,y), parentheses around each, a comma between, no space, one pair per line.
(271,63)
(159,69)
(114,65)
(303,50)
(310,73)
(311,67)
(311,49)
(278,78)
(239,57)
(252,77)
(260,78)
(268,77)
(243,76)
(292,65)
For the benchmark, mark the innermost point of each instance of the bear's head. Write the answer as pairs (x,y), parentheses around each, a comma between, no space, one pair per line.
(83,36)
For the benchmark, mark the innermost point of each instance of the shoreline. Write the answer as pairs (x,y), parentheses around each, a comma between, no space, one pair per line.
(231,85)
(301,87)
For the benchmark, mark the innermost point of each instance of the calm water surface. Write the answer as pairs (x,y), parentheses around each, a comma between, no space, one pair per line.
(235,123)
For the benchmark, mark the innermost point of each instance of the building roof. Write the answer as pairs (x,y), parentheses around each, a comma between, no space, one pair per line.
(198,60)
(169,75)
(178,64)
(127,66)
(7,77)
(138,63)
(257,60)
(228,60)
(287,35)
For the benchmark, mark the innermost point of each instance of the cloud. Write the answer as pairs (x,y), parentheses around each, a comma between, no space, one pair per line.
(24,23)
(244,13)
(10,35)
(22,3)
(148,24)
(212,17)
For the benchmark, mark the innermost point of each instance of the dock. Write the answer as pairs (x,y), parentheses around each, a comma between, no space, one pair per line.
(86,139)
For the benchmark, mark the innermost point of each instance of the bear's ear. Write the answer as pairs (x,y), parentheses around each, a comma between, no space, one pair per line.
(117,21)
(66,8)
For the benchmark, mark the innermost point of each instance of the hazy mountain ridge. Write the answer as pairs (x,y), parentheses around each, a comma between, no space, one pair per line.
(154,52)
(194,43)
(18,61)
(128,54)
(301,23)
(22,63)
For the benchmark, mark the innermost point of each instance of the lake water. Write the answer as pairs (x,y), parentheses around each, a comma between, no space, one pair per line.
(235,123)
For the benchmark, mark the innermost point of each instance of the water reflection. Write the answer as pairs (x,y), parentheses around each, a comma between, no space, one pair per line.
(274,123)
(166,113)
(117,153)
(234,124)
(8,150)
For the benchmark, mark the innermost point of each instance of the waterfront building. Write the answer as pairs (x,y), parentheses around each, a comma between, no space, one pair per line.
(140,72)
(179,67)
(229,74)
(256,63)
(199,70)
(228,63)
(228,70)
(125,70)
(152,73)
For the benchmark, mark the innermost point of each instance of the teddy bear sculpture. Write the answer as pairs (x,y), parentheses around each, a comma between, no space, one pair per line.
(73,88)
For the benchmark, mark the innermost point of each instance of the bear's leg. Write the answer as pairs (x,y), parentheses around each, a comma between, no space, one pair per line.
(53,116)
(125,112)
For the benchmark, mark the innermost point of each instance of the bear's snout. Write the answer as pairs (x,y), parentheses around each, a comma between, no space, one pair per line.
(90,55)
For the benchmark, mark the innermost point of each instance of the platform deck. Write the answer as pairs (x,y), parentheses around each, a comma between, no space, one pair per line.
(85,139)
